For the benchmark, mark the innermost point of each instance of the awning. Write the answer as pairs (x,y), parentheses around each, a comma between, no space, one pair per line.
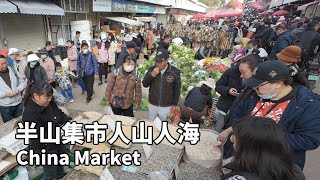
(125,21)
(7,7)
(38,7)
(145,19)
(303,7)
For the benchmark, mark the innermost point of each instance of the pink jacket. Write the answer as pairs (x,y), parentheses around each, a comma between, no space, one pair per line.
(103,54)
(49,67)
(72,58)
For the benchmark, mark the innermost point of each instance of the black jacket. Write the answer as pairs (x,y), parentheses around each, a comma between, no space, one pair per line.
(163,45)
(309,40)
(41,116)
(229,79)
(197,100)
(137,41)
(297,173)
(264,34)
(51,55)
(165,88)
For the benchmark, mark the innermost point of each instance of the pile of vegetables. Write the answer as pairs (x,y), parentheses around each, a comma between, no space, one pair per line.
(182,57)
(219,67)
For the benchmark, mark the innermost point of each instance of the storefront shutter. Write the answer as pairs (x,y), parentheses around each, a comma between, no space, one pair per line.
(25,32)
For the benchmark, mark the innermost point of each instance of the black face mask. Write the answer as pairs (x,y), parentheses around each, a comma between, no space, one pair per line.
(166,45)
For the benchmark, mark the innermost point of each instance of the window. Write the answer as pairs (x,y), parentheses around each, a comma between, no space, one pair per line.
(74,6)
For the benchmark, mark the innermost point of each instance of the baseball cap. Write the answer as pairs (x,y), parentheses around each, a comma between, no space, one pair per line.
(43,51)
(271,70)
(130,44)
(161,55)
(32,57)
(14,51)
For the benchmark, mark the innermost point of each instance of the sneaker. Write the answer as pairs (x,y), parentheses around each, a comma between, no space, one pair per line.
(83,92)
(100,83)
(71,101)
(88,101)
(106,81)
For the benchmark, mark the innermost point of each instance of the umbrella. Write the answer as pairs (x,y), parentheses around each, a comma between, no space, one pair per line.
(229,13)
(198,16)
(258,6)
(264,13)
(280,13)
(212,14)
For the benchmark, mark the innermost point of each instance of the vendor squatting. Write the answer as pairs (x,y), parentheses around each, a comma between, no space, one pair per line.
(85,158)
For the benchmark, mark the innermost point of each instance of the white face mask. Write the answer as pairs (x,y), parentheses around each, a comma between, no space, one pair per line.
(268,95)
(128,68)
(104,40)
(43,56)
(85,51)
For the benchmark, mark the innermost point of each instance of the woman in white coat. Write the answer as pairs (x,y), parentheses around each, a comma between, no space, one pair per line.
(112,51)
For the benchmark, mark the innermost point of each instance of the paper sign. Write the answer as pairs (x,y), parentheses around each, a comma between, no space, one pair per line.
(131,169)
(147,150)
(158,123)
(106,175)
(111,124)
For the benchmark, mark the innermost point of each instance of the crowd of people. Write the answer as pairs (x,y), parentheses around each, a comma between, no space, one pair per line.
(268,114)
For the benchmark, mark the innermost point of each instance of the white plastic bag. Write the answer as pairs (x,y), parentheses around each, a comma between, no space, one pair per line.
(108,111)
(59,98)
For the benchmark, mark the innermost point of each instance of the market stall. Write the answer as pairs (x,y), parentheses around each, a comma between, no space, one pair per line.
(157,161)
(220,39)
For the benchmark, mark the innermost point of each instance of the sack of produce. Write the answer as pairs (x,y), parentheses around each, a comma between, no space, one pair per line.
(206,152)
(87,117)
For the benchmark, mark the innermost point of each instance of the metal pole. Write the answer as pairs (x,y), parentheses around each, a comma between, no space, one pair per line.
(62,29)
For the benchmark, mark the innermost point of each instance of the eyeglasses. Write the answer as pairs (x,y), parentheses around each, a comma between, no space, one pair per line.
(257,88)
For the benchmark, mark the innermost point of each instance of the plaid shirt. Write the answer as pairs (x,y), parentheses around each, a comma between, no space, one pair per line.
(116,86)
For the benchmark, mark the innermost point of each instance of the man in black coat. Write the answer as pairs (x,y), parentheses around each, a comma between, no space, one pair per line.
(265,33)
(165,42)
(228,86)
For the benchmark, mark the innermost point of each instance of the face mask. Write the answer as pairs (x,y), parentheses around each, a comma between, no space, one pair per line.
(33,63)
(85,51)
(268,96)
(128,68)
(250,50)
(104,40)
(43,56)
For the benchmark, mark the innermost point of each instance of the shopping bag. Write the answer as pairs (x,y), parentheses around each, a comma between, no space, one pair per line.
(59,98)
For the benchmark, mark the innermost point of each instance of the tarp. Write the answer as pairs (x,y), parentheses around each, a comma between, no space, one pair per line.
(258,6)
(38,7)
(125,21)
(212,14)
(303,7)
(280,13)
(145,19)
(198,16)
(7,7)
(229,13)
(264,13)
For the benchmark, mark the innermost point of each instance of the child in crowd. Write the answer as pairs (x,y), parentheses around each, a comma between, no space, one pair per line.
(62,76)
